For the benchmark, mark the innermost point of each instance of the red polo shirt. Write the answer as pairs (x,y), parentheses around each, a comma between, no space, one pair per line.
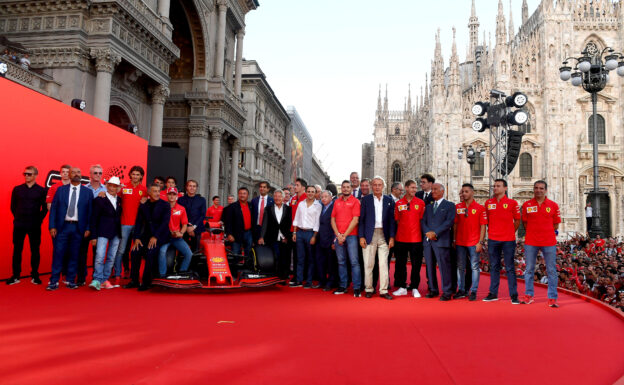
(178,218)
(246,214)
(52,191)
(130,200)
(408,216)
(294,202)
(214,213)
(344,211)
(540,221)
(500,216)
(468,221)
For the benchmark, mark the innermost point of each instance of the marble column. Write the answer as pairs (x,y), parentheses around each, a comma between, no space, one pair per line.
(159,97)
(215,152)
(163,8)
(105,61)
(220,58)
(198,155)
(234,170)
(239,62)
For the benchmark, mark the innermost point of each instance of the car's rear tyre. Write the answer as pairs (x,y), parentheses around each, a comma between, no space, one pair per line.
(264,259)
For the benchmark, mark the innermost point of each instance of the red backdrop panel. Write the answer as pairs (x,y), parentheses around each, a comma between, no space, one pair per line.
(40,131)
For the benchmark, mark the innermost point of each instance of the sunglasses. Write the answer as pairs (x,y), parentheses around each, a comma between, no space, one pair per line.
(97,173)
(28,174)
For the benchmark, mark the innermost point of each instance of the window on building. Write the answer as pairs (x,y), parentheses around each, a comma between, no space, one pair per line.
(526,127)
(526,165)
(397,131)
(601,129)
(396,173)
(478,169)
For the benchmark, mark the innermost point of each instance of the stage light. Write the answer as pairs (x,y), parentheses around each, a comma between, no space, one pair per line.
(518,117)
(480,108)
(565,73)
(479,125)
(79,104)
(577,80)
(4,68)
(133,128)
(517,100)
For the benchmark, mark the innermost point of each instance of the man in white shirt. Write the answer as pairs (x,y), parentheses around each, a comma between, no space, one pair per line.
(276,232)
(305,227)
(589,213)
(396,191)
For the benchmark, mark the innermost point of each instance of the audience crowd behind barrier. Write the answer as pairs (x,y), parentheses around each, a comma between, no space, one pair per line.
(17,58)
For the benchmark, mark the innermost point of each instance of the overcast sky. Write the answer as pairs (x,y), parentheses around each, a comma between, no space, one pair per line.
(328,57)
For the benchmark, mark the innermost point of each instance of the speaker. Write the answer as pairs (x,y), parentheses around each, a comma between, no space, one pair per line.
(514,142)
(166,161)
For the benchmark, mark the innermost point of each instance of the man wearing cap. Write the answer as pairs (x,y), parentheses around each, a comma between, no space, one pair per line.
(105,233)
(195,206)
(178,223)
(541,219)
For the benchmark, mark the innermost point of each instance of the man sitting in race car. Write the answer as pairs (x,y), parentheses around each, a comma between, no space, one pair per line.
(177,227)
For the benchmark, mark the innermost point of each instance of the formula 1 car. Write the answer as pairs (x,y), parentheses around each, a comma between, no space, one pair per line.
(214,267)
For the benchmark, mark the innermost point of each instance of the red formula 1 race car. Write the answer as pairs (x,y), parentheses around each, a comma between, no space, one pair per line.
(214,267)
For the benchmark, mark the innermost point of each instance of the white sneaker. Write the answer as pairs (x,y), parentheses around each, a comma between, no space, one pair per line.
(415,293)
(401,291)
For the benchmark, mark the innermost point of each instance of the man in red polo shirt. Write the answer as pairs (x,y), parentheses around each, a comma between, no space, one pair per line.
(298,197)
(64,180)
(215,211)
(469,233)
(503,220)
(408,211)
(178,221)
(541,220)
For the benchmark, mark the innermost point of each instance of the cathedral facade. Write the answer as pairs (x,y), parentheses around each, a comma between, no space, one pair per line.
(426,136)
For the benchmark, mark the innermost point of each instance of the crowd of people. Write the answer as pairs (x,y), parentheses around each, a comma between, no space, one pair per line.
(22,60)
(321,238)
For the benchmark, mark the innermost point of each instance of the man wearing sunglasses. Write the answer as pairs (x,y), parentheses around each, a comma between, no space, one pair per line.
(469,235)
(29,208)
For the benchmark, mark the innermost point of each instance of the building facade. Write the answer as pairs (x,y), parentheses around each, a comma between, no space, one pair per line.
(556,146)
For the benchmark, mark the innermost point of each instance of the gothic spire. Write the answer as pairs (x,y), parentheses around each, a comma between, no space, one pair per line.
(379,99)
(437,70)
(525,12)
(473,28)
(409,96)
(501,32)
(512,31)
(386,99)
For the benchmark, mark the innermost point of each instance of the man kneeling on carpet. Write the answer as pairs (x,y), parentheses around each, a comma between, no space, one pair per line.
(177,227)
(105,233)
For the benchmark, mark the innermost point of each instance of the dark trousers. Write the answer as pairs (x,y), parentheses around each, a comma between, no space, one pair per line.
(150,255)
(282,258)
(68,239)
(453,255)
(507,249)
(589,223)
(326,266)
(125,260)
(292,259)
(193,242)
(361,262)
(442,256)
(415,251)
(34,239)
(82,260)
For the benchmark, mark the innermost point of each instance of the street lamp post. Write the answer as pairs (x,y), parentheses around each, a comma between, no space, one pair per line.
(471,156)
(592,72)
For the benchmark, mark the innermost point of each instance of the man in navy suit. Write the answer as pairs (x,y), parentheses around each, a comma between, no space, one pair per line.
(238,223)
(326,263)
(377,228)
(437,224)
(354,178)
(258,204)
(105,233)
(70,214)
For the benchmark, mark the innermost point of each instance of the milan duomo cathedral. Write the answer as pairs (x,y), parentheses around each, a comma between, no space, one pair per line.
(426,136)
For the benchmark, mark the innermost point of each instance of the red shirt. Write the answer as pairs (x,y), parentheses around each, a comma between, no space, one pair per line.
(214,213)
(344,211)
(246,214)
(500,216)
(178,218)
(599,242)
(294,202)
(52,191)
(130,200)
(540,221)
(468,221)
(408,216)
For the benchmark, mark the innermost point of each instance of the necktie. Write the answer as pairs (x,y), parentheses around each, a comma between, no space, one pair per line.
(435,207)
(425,197)
(261,210)
(72,203)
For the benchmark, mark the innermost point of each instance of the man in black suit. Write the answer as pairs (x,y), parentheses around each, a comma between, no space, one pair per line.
(105,233)
(437,224)
(151,231)
(238,223)
(354,178)
(258,204)
(426,183)
(326,262)
(275,232)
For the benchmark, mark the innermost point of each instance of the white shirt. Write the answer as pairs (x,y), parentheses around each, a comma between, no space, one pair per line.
(395,199)
(112,199)
(588,212)
(278,215)
(71,189)
(308,217)
(439,202)
(378,212)
(260,205)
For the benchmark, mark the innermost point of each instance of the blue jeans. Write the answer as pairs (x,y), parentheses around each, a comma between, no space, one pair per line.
(304,253)
(349,247)
(101,269)
(244,243)
(67,239)
(507,249)
(463,253)
(182,247)
(550,256)
(126,231)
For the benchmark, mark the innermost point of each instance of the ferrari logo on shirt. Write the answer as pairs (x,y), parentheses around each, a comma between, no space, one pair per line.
(140,192)
(474,211)
(505,205)
(416,207)
(461,211)
(177,212)
(492,206)
(532,209)
(128,191)
(547,209)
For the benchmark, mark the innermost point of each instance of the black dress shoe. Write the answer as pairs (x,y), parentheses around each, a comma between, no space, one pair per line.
(131,285)
(445,297)
(431,295)
(459,295)
(144,288)
(368,295)
(386,296)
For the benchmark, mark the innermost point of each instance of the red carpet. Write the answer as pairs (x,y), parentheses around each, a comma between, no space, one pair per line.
(297,336)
